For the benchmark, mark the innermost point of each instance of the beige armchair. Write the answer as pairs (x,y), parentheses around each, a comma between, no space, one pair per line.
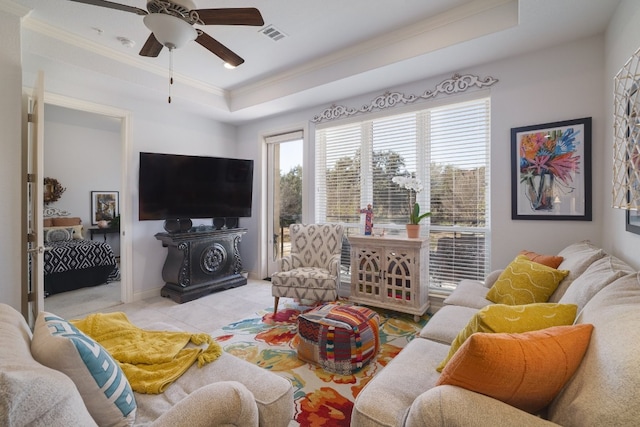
(312,271)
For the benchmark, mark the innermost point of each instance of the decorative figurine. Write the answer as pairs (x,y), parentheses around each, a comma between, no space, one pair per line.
(368,219)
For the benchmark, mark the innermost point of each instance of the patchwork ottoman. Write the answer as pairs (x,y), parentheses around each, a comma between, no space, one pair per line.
(339,338)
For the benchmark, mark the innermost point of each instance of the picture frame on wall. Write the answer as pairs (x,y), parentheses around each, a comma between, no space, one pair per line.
(633,222)
(104,206)
(551,171)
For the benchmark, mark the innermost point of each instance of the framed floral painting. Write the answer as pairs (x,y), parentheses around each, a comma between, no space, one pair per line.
(551,171)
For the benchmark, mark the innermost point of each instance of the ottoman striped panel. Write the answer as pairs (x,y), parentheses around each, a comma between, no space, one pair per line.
(340,338)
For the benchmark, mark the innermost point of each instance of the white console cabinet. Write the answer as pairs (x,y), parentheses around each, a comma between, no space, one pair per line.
(390,272)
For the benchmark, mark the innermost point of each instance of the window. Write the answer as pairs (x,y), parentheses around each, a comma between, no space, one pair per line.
(447,148)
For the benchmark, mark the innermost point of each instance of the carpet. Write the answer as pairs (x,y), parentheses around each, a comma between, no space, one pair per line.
(321,398)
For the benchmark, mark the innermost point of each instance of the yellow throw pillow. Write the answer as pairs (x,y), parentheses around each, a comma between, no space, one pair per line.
(513,319)
(525,282)
(526,370)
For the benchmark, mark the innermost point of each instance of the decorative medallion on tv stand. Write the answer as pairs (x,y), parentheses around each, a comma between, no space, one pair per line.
(201,261)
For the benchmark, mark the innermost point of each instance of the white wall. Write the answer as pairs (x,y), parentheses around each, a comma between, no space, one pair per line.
(10,163)
(161,128)
(199,137)
(556,84)
(83,152)
(622,40)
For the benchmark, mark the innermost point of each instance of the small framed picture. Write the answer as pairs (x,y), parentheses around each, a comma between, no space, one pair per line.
(551,171)
(104,206)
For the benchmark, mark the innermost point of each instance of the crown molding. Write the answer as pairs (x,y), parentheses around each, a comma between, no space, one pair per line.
(406,34)
(56,33)
(14,8)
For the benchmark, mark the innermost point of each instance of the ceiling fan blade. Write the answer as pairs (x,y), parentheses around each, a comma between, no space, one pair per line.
(112,5)
(219,49)
(152,47)
(231,16)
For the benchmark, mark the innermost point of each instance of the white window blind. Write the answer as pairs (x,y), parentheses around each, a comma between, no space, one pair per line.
(447,148)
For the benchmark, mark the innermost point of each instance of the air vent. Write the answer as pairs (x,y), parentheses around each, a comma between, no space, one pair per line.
(273,33)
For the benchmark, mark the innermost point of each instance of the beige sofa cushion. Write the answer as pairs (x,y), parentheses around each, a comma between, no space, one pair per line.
(273,394)
(386,399)
(469,293)
(447,324)
(30,393)
(598,275)
(225,403)
(604,390)
(577,258)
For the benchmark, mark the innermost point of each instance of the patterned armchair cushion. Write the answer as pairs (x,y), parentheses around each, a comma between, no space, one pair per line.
(312,271)
(315,244)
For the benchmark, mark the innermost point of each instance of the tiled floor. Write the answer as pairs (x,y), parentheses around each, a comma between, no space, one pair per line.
(205,314)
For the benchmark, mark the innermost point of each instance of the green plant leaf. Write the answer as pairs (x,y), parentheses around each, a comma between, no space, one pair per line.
(415,216)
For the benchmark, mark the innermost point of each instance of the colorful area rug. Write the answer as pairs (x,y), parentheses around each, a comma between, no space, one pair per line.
(321,398)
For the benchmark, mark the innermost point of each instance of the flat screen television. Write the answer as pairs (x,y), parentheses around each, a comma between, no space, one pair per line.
(175,186)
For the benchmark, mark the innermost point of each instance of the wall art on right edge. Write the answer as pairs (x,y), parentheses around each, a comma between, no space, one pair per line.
(551,171)
(633,222)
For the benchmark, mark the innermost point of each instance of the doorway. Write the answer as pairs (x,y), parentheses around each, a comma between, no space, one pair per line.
(284,203)
(85,147)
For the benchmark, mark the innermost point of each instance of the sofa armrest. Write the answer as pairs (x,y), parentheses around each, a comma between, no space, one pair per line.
(452,406)
(222,403)
(492,277)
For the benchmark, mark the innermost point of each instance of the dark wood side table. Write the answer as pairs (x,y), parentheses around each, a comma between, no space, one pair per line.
(103,231)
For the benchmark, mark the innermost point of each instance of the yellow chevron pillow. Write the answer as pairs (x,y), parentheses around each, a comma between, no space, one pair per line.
(513,319)
(525,282)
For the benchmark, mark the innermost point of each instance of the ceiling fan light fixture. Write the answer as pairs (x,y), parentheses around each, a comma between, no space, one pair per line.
(170,31)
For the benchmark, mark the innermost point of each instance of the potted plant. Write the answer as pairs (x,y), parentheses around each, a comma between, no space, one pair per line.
(414,186)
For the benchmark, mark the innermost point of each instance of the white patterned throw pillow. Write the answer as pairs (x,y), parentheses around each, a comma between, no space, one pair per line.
(103,386)
(58,234)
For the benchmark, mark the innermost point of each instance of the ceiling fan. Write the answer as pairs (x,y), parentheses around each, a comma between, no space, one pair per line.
(172,25)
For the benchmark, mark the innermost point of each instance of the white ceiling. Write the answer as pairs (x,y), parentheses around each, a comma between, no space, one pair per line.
(333,49)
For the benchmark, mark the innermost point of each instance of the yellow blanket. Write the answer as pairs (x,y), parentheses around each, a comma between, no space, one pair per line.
(151,360)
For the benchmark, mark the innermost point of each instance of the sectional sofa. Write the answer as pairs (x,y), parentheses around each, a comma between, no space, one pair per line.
(594,362)
(227,391)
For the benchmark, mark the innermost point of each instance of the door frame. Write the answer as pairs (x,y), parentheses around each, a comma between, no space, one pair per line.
(126,217)
(308,196)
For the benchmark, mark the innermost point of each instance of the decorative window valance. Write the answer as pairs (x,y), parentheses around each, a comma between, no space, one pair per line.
(454,85)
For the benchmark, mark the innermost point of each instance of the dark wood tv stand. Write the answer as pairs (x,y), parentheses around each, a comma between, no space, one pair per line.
(201,261)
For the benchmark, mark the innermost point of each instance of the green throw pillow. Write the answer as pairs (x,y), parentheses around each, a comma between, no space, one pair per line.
(525,282)
(513,319)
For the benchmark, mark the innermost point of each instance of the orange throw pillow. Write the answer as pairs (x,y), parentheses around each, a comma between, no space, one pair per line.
(523,370)
(552,261)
